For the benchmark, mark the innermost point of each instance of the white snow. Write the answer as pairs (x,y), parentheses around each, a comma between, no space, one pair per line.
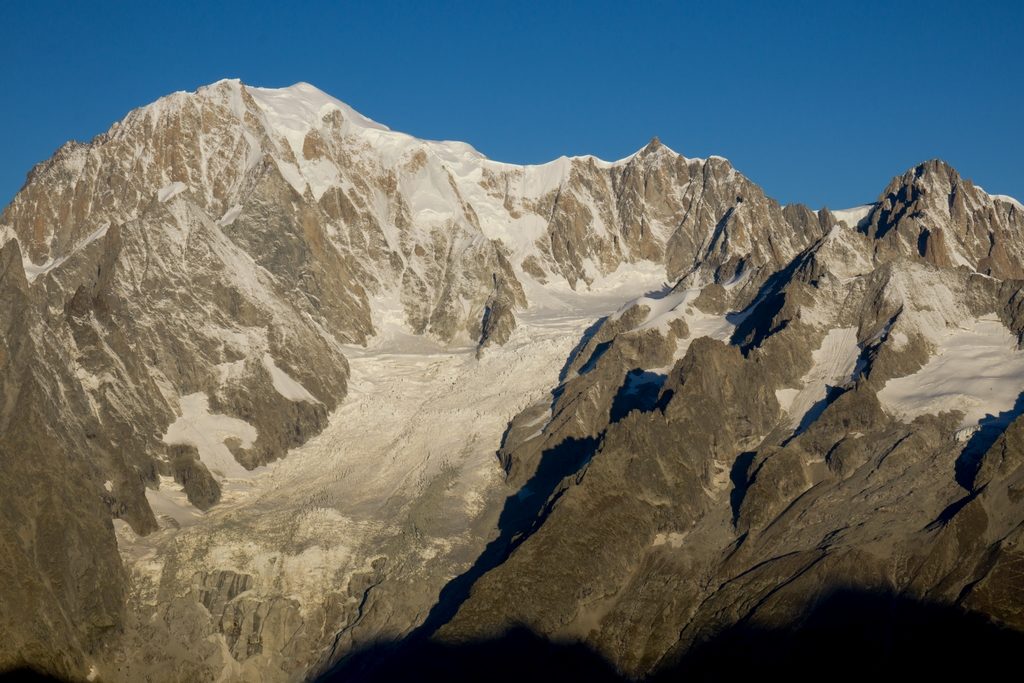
(292,113)
(412,408)
(445,183)
(854,216)
(930,307)
(438,179)
(301,106)
(670,304)
(32,271)
(833,365)
(284,384)
(847,259)
(292,174)
(171,190)
(977,369)
(230,215)
(198,427)
(416,415)
(557,303)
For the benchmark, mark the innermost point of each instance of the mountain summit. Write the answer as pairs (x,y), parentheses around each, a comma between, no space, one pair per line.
(258,353)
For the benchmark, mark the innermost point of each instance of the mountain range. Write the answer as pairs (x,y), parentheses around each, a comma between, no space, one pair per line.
(285,394)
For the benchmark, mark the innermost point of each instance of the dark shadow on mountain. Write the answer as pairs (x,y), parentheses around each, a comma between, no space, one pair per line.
(588,334)
(922,242)
(518,656)
(664,400)
(868,352)
(756,322)
(581,345)
(989,429)
(656,294)
(858,635)
(816,410)
(886,218)
(639,391)
(523,512)
(720,227)
(849,635)
(599,351)
(950,510)
(739,475)
(504,436)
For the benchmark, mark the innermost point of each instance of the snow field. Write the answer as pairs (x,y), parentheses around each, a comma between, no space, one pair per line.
(977,369)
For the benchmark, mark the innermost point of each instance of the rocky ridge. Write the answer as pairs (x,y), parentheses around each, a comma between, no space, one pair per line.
(184,294)
(769,467)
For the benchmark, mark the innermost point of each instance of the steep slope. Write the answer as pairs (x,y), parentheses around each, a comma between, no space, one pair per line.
(933,212)
(853,430)
(708,407)
(183,288)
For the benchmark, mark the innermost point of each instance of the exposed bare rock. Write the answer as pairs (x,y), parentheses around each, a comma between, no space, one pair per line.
(761,482)
(764,404)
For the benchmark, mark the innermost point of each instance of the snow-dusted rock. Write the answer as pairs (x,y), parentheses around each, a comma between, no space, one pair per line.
(672,367)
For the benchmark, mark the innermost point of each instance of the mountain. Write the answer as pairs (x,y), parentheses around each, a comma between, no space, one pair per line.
(258,352)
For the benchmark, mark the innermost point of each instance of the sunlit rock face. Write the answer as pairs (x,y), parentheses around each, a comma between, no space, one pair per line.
(258,352)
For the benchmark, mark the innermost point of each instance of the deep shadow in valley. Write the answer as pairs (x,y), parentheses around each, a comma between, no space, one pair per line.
(853,635)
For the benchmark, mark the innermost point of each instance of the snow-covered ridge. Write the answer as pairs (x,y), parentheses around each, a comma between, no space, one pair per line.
(303,103)
(1008,199)
(1002,197)
(249,124)
(295,110)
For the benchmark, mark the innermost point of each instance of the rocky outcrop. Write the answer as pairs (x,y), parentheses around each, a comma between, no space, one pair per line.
(932,212)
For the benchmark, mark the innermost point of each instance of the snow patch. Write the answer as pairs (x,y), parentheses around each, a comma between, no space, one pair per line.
(284,384)
(170,505)
(853,217)
(666,306)
(292,174)
(230,215)
(833,365)
(32,271)
(977,369)
(672,539)
(167,192)
(302,106)
(198,427)
(929,306)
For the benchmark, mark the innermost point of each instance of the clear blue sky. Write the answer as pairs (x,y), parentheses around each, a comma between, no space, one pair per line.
(817,104)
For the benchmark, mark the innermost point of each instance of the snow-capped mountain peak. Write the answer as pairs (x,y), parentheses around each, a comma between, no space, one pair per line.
(277,345)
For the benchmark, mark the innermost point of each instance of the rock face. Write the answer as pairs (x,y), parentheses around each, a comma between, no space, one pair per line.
(932,211)
(776,467)
(182,296)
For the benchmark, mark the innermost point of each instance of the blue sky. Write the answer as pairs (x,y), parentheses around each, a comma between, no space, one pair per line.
(819,104)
